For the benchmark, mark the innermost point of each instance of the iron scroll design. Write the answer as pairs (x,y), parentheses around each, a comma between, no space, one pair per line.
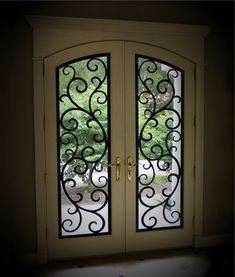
(159,144)
(83,135)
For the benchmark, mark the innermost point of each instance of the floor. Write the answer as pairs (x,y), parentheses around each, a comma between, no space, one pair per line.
(203,262)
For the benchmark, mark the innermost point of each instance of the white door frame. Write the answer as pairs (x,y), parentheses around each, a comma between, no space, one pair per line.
(54,34)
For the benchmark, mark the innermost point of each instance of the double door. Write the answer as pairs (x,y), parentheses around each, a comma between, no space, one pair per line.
(119,149)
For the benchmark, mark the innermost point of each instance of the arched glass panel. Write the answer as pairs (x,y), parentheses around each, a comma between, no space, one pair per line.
(159,98)
(83,99)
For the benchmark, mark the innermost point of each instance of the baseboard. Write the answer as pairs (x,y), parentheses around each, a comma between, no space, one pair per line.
(42,257)
(204,241)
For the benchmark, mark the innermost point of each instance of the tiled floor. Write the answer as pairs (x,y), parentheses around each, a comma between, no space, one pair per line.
(216,261)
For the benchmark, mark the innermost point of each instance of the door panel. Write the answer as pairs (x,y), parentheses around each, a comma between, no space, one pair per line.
(124,230)
(59,247)
(159,216)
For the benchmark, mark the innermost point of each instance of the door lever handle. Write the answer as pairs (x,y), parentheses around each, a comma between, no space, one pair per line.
(118,167)
(129,168)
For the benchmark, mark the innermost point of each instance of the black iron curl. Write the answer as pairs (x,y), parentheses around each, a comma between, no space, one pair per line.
(156,95)
(80,158)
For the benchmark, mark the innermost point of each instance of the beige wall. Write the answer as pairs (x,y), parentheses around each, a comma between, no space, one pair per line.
(18,189)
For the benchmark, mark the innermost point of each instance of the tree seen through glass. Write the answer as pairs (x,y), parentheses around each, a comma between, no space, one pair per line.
(84,144)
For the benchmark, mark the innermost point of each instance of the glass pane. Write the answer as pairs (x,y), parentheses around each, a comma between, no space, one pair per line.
(159,137)
(83,146)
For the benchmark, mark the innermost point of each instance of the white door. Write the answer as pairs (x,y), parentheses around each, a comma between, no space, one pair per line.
(119,149)
(159,103)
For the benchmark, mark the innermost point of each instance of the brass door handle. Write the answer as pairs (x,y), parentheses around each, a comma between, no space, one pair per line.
(118,167)
(129,168)
(130,165)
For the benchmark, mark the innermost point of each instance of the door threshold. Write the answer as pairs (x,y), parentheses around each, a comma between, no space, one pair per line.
(123,257)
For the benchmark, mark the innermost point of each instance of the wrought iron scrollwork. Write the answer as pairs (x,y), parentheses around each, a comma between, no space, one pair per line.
(83,146)
(159,137)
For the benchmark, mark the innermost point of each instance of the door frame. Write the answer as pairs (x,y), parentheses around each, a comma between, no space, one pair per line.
(186,41)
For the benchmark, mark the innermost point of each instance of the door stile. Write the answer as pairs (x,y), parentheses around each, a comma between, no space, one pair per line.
(130,144)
